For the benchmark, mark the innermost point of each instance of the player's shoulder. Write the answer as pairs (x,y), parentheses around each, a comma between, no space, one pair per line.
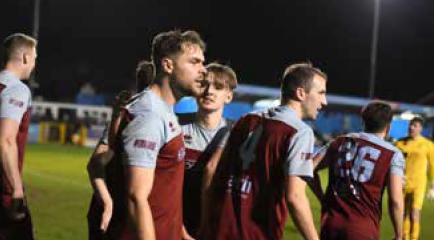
(289,117)
(381,142)
(15,87)
(148,102)
(147,121)
(426,140)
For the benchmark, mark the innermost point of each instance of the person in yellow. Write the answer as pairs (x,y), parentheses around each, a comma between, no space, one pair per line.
(419,157)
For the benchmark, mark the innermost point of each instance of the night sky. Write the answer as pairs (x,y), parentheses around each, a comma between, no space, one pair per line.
(101,41)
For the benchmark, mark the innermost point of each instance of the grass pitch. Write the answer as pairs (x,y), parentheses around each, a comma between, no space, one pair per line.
(58,193)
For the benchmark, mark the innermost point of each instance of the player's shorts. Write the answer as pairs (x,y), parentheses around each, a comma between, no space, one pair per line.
(16,230)
(344,234)
(414,197)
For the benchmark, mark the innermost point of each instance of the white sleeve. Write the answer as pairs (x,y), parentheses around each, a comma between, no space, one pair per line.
(143,138)
(398,164)
(299,154)
(14,102)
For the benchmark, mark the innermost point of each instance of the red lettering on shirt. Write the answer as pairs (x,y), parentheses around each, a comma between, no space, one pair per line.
(16,102)
(141,143)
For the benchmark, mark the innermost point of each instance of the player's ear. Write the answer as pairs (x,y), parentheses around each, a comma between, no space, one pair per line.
(388,129)
(229,97)
(25,58)
(167,65)
(300,94)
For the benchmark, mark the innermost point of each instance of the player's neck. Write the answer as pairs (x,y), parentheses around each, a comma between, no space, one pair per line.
(415,137)
(12,68)
(209,120)
(163,90)
(296,106)
(381,135)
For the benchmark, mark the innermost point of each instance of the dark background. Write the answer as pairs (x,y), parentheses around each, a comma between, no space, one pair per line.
(100,41)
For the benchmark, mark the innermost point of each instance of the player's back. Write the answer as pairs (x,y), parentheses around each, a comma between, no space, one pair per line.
(250,178)
(359,166)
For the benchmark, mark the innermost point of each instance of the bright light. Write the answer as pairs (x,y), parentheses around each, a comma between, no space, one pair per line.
(408,115)
(266,103)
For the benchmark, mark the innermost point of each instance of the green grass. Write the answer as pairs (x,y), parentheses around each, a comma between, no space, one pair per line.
(59,191)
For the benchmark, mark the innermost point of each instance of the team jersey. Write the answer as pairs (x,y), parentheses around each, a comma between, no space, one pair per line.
(153,139)
(200,143)
(419,154)
(359,168)
(249,187)
(15,102)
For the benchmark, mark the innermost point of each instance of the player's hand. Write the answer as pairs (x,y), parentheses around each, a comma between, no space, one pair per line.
(17,210)
(430,194)
(185,235)
(121,99)
(107,214)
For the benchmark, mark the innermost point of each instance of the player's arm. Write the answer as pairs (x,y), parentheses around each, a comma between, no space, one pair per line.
(430,194)
(396,202)
(210,168)
(221,139)
(96,171)
(320,162)
(140,182)
(208,176)
(9,155)
(143,138)
(13,104)
(298,205)
(299,164)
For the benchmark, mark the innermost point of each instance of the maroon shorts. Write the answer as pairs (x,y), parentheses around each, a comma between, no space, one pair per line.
(345,234)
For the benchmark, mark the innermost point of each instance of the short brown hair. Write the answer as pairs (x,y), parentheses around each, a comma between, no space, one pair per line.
(15,42)
(376,116)
(169,43)
(224,73)
(144,74)
(298,75)
(417,120)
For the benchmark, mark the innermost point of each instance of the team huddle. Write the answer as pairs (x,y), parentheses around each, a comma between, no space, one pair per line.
(158,175)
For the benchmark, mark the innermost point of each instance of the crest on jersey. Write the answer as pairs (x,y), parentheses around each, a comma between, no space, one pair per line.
(181,154)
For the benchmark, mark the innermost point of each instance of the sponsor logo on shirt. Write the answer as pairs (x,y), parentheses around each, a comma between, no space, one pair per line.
(188,138)
(16,102)
(181,154)
(141,143)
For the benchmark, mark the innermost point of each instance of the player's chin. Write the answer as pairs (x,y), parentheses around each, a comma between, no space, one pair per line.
(206,107)
(196,90)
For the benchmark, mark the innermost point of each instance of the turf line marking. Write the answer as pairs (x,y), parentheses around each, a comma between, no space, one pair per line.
(55,178)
